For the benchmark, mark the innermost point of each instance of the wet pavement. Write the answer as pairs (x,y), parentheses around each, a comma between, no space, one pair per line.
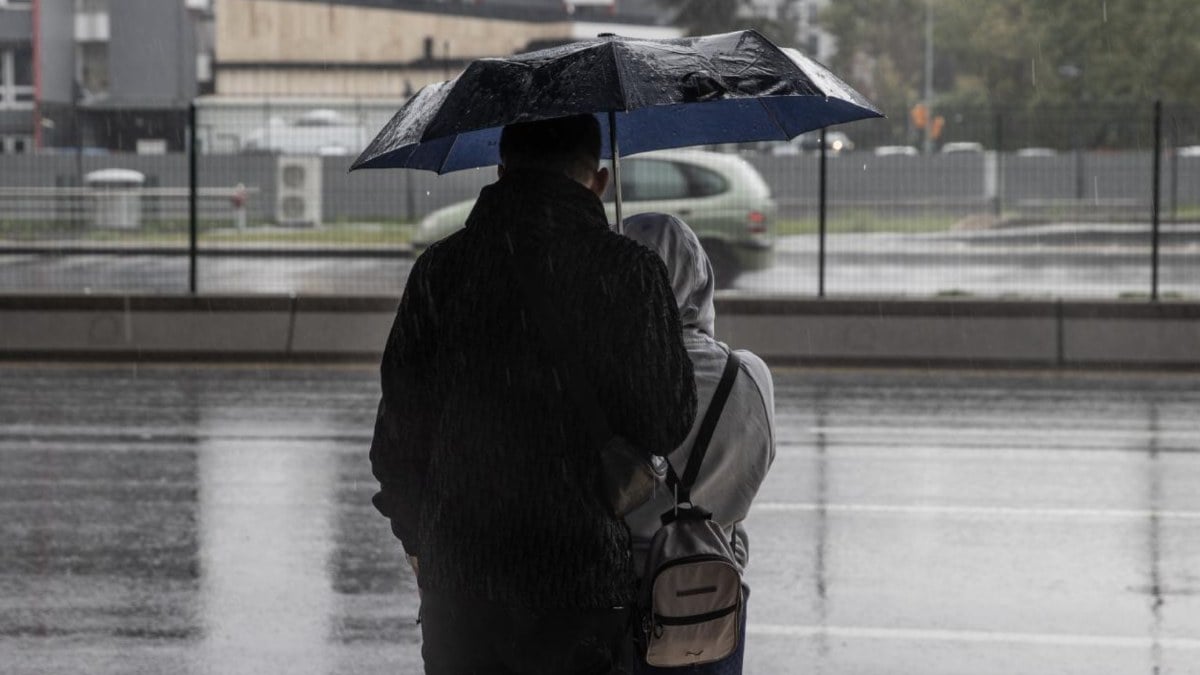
(215,519)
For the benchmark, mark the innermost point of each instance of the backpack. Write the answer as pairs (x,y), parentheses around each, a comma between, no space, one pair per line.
(691,594)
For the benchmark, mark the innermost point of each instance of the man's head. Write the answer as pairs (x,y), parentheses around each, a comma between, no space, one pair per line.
(567,144)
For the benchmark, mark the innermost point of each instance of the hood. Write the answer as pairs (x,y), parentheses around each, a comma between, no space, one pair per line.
(687,264)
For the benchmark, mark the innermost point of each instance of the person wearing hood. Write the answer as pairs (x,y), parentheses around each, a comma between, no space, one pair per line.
(743,444)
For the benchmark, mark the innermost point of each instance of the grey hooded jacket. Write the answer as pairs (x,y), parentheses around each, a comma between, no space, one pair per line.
(743,444)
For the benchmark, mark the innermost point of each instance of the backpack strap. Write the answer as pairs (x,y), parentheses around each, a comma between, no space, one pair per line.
(683,486)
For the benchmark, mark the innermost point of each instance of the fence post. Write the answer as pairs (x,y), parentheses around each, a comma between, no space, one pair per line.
(998,201)
(1156,199)
(193,224)
(821,203)
(1174,168)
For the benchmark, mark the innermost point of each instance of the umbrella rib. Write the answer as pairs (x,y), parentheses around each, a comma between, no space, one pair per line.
(624,106)
(771,114)
(449,153)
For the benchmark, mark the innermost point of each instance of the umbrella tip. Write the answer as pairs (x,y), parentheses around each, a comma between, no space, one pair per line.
(607,35)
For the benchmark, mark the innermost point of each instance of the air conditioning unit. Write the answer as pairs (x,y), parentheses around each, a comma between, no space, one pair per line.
(298,191)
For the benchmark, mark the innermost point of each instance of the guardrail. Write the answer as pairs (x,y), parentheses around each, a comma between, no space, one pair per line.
(80,204)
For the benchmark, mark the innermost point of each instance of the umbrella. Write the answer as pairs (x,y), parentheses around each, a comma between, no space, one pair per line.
(653,94)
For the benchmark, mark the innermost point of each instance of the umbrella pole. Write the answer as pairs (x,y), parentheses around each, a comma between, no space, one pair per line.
(616,166)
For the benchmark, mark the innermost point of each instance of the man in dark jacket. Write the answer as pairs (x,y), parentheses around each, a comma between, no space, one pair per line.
(486,472)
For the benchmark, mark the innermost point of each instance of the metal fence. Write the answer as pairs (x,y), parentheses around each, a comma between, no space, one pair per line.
(1067,203)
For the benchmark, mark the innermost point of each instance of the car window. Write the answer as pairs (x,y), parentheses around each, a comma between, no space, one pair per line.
(704,183)
(650,179)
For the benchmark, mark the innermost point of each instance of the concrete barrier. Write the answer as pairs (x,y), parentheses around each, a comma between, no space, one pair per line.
(351,326)
(144,326)
(784,331)
(892,332)
(1150,334)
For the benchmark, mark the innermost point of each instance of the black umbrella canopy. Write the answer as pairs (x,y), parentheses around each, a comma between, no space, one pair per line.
(659,93)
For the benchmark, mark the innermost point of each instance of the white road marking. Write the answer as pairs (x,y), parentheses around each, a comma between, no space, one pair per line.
(977,511)
(1075,435)
(995,637)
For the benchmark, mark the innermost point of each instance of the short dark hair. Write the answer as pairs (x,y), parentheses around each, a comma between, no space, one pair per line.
(567,144)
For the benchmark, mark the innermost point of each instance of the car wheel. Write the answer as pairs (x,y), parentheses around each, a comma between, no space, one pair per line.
(724,265)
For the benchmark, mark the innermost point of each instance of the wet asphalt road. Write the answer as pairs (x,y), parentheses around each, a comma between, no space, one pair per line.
(215,519)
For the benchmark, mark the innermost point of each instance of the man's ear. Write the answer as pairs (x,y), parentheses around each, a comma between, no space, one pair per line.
(600,181)
(499,171)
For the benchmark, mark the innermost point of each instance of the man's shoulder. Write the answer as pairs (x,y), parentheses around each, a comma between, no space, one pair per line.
(446,247)
(617,248)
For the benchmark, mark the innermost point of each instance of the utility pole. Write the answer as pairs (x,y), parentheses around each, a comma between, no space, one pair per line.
(929,76)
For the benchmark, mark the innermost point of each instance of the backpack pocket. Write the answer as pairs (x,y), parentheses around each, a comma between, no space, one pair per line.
(694,612)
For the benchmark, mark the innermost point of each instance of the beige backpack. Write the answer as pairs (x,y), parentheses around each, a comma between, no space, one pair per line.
(691,597)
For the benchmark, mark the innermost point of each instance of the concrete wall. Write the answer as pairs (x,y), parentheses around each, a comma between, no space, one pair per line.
(782,331)
(56,31)
(381,51)
(152,52)
(279,31)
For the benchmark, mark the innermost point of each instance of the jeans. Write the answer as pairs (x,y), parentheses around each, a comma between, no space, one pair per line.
(476,637)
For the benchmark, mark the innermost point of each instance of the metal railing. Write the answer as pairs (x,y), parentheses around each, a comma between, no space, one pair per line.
(260,201)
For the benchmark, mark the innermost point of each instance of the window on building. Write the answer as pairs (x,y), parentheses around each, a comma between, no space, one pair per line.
(93,68)
(16,78)
(15,145)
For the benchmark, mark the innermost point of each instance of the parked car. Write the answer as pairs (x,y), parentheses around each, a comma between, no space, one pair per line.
(721,196)
(318,132)
(896,151)
(1036,152)
(961,147)
(837,143)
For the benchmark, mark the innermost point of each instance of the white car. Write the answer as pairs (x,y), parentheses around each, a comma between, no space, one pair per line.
(897,151)
(961,147)
(318,132)
(837,142)
(1036,152)
(721,196)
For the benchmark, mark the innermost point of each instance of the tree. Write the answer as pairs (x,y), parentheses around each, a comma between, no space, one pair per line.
(880,51)
(1020,52)
(706,17)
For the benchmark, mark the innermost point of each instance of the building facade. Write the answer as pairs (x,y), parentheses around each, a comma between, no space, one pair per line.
(16,76)
(119,75)
(391,48)
(104,74)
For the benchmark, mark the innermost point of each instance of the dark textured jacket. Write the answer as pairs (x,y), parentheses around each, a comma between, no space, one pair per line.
(485,470)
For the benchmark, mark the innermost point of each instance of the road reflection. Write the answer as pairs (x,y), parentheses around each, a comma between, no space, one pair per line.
(218,520)
(265,532)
